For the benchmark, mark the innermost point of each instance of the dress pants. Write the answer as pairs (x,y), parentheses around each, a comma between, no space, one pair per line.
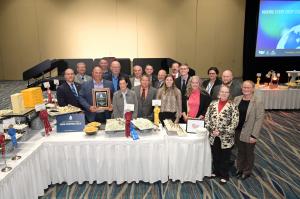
(245,157)
(221,159)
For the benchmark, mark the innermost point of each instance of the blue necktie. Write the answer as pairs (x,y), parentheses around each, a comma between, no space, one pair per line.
(74,90)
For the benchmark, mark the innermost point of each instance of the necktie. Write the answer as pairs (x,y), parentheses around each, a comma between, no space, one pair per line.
(74,90)
(143,94)
(183,84)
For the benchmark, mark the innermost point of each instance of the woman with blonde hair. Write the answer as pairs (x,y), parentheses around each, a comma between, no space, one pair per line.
(197,100)
(170,97)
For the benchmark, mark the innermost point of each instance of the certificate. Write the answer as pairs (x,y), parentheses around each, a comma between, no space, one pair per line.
(194,125)
(101,98)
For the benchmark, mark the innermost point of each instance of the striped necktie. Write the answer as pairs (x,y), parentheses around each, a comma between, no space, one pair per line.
(74,90)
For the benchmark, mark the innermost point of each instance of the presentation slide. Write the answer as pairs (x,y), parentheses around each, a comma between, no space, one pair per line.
(278,33)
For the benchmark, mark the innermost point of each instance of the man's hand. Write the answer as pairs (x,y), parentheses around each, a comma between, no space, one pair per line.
(93,109)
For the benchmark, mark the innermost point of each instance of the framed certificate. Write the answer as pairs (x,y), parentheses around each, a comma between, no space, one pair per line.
(193,125)
(101,98)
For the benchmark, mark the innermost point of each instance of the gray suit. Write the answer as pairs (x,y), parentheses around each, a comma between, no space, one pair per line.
(79,80)
(145,107)
(235,90)
(118,103)
(86,98)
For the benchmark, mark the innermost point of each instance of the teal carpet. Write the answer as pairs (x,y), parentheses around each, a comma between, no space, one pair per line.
(276,173)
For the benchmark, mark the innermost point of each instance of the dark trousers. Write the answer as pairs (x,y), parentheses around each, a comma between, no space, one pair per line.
(100,117)
(245,157)
(167,115)
(221,159)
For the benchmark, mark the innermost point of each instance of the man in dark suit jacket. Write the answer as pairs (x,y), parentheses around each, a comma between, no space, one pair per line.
(161,76)
(115,75)
(68,92)
(181,83)
(86,96)
(234,86)
(145,94)
(149,71)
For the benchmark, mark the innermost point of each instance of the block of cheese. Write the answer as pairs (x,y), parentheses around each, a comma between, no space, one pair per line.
(17,103)
(32,96)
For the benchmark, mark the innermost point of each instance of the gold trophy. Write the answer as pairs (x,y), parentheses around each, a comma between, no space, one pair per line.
(156,115)
(258,75)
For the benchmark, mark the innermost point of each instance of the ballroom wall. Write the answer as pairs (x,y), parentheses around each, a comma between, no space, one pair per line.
(200,32)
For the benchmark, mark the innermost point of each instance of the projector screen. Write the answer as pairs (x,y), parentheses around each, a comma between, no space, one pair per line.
(278,32)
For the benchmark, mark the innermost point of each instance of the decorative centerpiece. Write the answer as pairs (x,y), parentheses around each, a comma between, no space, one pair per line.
(143,124)
(274,79)
(114,125)
(258,75)
(174,128)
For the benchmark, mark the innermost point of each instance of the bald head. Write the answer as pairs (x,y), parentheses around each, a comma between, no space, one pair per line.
(161,75)
(227,77)
(115,68)
(137,71)
(97,73)
(69,75)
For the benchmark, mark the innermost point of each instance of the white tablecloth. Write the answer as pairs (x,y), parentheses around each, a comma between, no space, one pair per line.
(189,157)
(79,158)
(75,157)
(279,98)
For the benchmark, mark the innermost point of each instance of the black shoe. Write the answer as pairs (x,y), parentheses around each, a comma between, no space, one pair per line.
(244,177)
(238,174)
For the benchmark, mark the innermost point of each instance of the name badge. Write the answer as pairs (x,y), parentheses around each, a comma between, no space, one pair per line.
(46,84)
(129,107)
(156,102)
(56,82)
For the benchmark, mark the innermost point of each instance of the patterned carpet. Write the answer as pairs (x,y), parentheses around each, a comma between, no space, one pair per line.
(276,173)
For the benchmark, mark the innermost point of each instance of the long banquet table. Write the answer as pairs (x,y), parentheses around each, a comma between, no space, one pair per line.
(75,157)
(279,98)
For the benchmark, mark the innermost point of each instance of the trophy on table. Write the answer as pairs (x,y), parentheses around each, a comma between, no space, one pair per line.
(12,133)
(258,75)
(2,144)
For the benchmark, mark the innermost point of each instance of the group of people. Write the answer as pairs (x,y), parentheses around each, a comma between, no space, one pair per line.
(233,115)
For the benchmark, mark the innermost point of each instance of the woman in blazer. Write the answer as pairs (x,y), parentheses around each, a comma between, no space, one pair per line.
(213,80)
(197,100)
(251,115)
(221,119)
(122,97)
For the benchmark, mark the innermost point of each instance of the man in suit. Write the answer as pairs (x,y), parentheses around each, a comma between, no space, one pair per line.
(227,79)
(175,70)
(67,93)
(149,71)
(86,96)
(104,64)
(181,83)
(137,74)
(161,76)
(81,77)
(145,94)
(115,76)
